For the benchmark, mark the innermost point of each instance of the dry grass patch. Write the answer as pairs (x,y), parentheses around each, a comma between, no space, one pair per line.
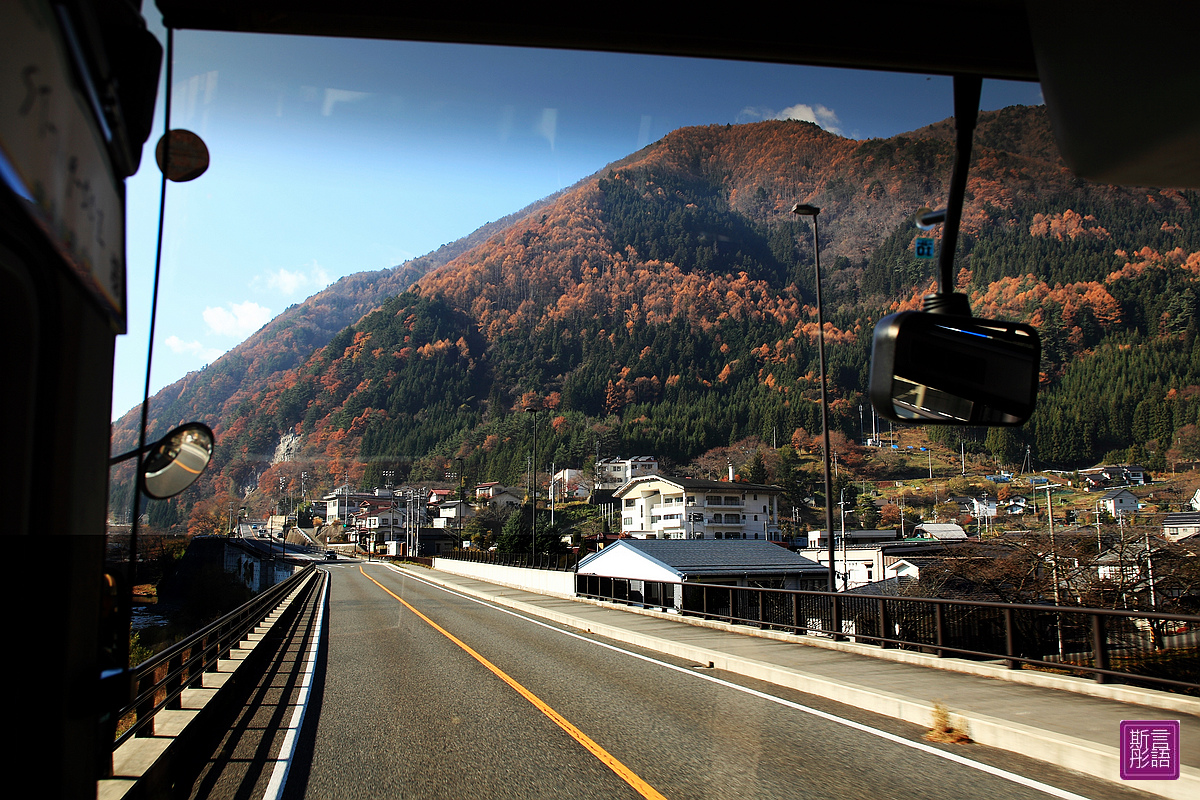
(945,728)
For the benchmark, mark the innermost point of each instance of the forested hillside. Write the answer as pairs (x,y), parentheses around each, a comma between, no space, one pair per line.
(666,307)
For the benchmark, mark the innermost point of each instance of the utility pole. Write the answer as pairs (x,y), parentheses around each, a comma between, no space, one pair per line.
(845,565)
(1150,576)
(1054,567)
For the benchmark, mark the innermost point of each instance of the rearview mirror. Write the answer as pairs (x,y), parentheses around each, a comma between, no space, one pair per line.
(942,369)
(176,460)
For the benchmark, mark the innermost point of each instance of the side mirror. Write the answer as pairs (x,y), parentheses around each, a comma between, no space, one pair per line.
(942,369)
(176,460)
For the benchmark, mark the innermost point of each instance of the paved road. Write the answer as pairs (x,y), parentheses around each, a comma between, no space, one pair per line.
(399,710)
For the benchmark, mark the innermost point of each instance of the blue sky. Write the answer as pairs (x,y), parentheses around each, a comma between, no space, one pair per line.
(332,156)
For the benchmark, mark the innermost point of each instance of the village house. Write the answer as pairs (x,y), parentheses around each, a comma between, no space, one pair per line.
(498,496)
(453,515)
(983,507)
(1117,475)
(342,502)
(817,539)
(612,473)
(1181,525)
(566,484)
(664,507)
(1119,501)
(855,566)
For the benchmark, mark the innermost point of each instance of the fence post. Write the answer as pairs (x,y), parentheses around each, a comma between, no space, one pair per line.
(940,622)
(796,614)
(1010,638)
(883,624)
(145,708)
(1099,647)
(836,621)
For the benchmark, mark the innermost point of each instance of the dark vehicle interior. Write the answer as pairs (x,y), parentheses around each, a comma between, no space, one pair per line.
(1119,83)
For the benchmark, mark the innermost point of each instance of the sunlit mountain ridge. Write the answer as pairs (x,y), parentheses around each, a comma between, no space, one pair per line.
(665,306)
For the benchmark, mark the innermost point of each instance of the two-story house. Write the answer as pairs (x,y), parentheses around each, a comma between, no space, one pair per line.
(497,495)
(1119,501)
(665,507)
(612,473)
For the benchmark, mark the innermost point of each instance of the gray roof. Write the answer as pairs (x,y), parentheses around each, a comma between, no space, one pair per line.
(943,530)
(1182,519)
(695,557)
(705,485)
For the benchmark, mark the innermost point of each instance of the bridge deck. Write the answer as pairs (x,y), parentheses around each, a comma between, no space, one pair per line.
(1070,721)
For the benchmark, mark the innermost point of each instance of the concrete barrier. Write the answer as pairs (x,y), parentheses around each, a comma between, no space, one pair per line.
(542,581)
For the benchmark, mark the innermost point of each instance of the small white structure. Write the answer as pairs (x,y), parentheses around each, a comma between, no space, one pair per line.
(853,567)
(1181,525)
(983,507)
(1119,501)
(737,563)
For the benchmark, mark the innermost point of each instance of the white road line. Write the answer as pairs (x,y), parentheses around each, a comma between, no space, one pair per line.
(1053,791)
(287,751)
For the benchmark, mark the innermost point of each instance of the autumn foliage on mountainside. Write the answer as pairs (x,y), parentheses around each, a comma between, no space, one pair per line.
(667,306)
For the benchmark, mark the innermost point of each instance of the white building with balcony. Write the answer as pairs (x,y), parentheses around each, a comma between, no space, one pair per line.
(664,507)
(614,472)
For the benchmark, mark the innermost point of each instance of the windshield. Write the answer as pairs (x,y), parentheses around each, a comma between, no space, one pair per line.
(461,301)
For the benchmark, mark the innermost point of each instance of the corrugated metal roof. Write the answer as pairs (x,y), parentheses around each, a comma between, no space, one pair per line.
(695,557)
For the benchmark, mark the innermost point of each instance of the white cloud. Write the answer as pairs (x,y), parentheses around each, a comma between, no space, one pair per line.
(754,114)
(305,281)
(239,320)
(547,128)
(335,96)
(825,117)
(194,348)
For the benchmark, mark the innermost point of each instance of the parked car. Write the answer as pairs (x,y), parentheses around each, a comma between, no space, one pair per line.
(330,555)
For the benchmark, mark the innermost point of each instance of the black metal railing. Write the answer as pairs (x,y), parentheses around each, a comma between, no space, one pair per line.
(1141,647)
(160,680)
(564,562)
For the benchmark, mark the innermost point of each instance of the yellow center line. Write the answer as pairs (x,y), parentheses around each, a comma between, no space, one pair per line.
(610,761)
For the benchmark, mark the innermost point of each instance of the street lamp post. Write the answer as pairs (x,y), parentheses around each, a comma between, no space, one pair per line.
(805,210)
(533,487)
(462,498)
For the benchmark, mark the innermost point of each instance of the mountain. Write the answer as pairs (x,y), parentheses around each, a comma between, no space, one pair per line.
(665,306)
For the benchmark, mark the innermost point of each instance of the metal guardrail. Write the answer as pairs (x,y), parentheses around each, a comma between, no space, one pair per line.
(1160,650)
(160,680)
(565,562)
